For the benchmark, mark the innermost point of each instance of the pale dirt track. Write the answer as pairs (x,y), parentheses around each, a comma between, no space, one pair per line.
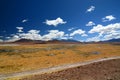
(53,69)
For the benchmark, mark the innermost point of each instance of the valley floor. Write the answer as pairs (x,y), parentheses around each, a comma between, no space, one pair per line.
(24,58)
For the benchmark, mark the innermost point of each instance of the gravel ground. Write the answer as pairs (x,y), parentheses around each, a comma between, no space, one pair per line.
(104,70)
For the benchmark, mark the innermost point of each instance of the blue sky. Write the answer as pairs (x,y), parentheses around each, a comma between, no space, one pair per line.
(82,20)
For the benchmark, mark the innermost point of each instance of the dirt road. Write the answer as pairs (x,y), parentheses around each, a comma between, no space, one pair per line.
(53,69)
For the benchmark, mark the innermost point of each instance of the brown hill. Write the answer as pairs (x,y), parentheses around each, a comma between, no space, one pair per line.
(28,41)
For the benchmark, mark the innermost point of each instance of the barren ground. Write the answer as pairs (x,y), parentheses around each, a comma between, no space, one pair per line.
(105,70)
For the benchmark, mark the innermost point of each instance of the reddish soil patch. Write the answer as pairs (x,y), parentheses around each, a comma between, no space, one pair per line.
(106,70)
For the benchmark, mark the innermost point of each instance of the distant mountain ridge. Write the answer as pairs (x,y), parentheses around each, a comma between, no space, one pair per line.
(63,41)
(113,40)
(29,41)
(45,42)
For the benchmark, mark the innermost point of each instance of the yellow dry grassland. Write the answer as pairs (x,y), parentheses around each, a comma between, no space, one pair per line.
(31,57)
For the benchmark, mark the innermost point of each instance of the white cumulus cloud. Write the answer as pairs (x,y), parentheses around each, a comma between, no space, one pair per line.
(13,38)
(53,34)
(35,35)
(105,29)
(78,31)
(90,23)
(107,32)
(108,18)
(32,34)
(90,9)
(55,22)
(20,29)
(34,31)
